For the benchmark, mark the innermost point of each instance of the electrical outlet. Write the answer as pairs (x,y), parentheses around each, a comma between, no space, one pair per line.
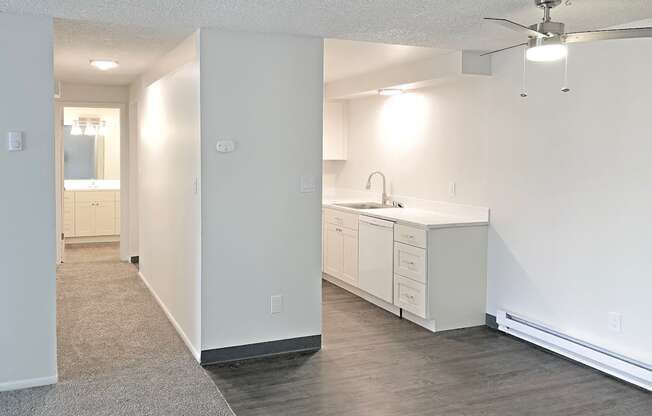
(615,322)
(277,304)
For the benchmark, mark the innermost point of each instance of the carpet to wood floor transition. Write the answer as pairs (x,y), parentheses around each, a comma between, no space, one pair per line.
(117,352)
(118,355)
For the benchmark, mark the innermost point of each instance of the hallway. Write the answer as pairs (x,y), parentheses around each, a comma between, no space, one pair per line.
(117,352)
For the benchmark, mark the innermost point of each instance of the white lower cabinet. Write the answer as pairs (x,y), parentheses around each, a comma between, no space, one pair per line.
(410,262)
(410,295)
(91,213)
(349,256)
(341,252)
(438,275)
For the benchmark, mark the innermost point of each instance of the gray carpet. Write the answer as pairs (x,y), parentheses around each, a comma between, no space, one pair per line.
(118,354)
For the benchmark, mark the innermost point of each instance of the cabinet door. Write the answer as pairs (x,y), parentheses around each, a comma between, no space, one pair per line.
(349,256)
(335,131)
(333,250)
(84,219)
(104,218)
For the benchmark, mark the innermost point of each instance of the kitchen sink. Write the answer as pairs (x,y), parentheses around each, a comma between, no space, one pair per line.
(363,205)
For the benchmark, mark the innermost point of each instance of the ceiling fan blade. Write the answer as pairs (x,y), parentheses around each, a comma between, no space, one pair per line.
(639,32)
(517,27)
(503,49)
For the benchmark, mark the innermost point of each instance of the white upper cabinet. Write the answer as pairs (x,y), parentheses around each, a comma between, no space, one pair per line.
(335,130)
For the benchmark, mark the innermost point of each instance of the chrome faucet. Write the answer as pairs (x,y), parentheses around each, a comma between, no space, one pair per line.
(368,186)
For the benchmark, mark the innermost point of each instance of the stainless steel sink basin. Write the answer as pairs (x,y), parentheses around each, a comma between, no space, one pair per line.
(363,205)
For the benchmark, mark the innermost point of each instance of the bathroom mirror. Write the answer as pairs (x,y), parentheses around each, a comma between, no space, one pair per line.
(91,144)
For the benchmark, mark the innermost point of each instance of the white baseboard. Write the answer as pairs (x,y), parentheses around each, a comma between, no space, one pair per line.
(425,323)
(32,382)
(184,337)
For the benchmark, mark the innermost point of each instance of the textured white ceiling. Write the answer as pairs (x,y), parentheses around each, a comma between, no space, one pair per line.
(135,48)
(346,58)
(446,24)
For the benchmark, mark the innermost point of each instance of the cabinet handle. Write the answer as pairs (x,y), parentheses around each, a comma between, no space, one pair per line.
(339,230)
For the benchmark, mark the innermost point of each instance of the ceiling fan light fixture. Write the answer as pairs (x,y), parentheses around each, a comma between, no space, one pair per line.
(546,50)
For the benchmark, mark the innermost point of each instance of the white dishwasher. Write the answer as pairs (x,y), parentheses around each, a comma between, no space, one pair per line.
(376,257)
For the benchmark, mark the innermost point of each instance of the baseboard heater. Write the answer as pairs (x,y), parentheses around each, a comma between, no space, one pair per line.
(624,368)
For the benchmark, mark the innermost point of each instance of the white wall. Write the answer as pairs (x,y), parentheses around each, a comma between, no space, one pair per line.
(27,211)
(90,93)
(260,235)
(567,177)
(570,191)
(421,141)
(170,219)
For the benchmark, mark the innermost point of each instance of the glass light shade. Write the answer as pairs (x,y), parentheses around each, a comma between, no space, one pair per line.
(104,64)
(390,91)
(76,130)
(90,130)
(547,53)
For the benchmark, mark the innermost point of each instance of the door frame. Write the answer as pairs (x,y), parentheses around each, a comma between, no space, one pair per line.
(124,171)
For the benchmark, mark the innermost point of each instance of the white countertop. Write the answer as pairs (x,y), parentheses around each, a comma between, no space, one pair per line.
(415,217)
(91,185)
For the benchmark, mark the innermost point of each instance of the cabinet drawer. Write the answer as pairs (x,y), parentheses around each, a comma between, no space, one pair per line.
(94,196)
(410,262)
(343,219)
(410,235)
(410,295)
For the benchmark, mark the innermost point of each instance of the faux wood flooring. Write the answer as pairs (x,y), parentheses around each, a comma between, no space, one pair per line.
(373,363)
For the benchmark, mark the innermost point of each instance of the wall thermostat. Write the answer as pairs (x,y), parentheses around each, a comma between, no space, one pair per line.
(225,146)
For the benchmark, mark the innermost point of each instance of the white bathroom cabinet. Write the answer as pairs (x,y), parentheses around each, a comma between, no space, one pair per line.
(91,213)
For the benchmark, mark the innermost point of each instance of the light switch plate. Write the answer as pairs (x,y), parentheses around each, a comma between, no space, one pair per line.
(277,304)
(308,184)
(15,141)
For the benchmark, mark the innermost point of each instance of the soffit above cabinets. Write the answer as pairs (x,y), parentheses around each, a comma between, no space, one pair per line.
(424,73)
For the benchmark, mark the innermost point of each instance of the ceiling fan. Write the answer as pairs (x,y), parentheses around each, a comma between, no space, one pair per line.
(547,40)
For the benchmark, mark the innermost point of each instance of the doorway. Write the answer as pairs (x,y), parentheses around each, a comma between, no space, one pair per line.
(88,164)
